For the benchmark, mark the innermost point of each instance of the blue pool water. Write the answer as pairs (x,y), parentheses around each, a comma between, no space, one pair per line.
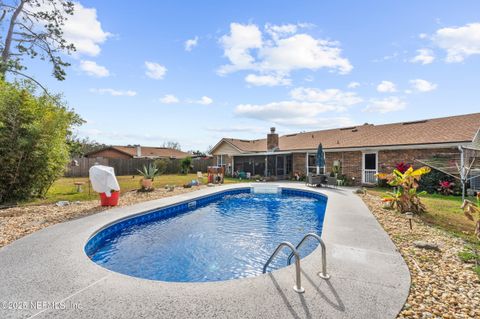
(232,236)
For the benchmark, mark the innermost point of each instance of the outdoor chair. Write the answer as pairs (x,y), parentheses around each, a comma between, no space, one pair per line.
(315,179)
(332,181)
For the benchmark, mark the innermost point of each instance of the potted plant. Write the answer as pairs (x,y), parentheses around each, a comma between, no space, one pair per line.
(148,174)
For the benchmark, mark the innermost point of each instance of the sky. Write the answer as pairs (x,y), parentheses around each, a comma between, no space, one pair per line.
(196,71)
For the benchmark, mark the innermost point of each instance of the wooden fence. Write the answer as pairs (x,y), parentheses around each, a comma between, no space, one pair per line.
(130,166)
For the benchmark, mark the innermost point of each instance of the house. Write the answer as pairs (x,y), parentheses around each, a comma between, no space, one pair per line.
(360,151)
(137,151)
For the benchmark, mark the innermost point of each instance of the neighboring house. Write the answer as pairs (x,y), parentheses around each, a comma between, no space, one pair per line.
(137,151)
(362,151)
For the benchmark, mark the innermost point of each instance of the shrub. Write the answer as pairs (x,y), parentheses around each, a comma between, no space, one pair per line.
(406,198)
(344,179)
(186,164)
(162,165)
(446,187)
(33,142)
(429,182)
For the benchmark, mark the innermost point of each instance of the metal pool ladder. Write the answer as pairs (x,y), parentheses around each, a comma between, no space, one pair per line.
(298,279)
(323,274)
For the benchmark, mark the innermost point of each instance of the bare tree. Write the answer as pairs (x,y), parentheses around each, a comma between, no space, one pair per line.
(173,145)
(33,28)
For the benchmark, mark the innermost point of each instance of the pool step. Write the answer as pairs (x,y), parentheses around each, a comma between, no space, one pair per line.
(265,189)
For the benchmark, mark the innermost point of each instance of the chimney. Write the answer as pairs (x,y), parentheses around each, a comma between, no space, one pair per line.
(272,140)
(139,150)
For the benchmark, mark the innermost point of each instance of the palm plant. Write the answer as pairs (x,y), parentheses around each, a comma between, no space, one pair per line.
(405,198)
(149,172)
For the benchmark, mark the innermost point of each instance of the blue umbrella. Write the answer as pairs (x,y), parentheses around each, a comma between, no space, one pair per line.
(320,156)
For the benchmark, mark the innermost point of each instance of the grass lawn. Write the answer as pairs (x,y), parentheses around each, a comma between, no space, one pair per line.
(444,212)
(64,188)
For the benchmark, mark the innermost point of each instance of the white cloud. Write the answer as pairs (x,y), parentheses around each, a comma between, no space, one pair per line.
(309,78)
(191,43)
(237,46)
(85,31)
(155,71)
(237,129)
(424,56)
(279,31)
(335,97)
(93,69)
(267,80)
(172,99)
(319,122)
(169,99)
(385,105)
(423,85)
(114,92)
(205,100)
(353,85)
(459,42)
(279,51)
(284,112)
(304,109)
(386,86)
(302,51)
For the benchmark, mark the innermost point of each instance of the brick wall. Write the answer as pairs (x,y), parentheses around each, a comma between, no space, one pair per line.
(388,159)
(351,163)
(298,163)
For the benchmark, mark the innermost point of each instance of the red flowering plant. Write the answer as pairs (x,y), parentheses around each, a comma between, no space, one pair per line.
(402,167)
(446,187)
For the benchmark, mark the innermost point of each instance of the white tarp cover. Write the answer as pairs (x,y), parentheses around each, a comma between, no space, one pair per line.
(103,179)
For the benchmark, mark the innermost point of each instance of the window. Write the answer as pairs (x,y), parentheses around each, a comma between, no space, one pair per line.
(312,165)
(219,160)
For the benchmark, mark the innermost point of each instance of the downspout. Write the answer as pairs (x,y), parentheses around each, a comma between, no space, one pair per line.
(306,164)
(462,171)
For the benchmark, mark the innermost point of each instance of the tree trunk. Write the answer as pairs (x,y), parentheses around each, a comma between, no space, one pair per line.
(8,39)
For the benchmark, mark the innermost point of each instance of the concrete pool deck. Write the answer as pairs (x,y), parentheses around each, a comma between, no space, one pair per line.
(48,275)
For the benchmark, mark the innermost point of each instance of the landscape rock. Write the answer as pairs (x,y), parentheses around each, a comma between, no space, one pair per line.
(442,287)
(16,222)
(425,245)
(62,203)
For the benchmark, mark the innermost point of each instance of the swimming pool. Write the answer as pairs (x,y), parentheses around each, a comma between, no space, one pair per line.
(223,236)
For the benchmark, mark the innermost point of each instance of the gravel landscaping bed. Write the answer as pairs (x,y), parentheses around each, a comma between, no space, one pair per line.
(20,221)
(442,285)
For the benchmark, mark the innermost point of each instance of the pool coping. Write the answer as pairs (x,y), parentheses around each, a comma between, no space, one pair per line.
(369,277)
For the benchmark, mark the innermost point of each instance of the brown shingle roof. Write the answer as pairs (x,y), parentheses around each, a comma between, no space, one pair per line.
(461,128)
(249,145)
(148,151)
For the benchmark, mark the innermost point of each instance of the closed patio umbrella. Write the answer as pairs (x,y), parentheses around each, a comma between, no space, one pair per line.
(320,156)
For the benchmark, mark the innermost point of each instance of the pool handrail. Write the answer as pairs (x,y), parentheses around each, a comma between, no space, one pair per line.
(298,279)
(324,273)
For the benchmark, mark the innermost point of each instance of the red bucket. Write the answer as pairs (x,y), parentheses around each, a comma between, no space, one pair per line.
(109,201)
